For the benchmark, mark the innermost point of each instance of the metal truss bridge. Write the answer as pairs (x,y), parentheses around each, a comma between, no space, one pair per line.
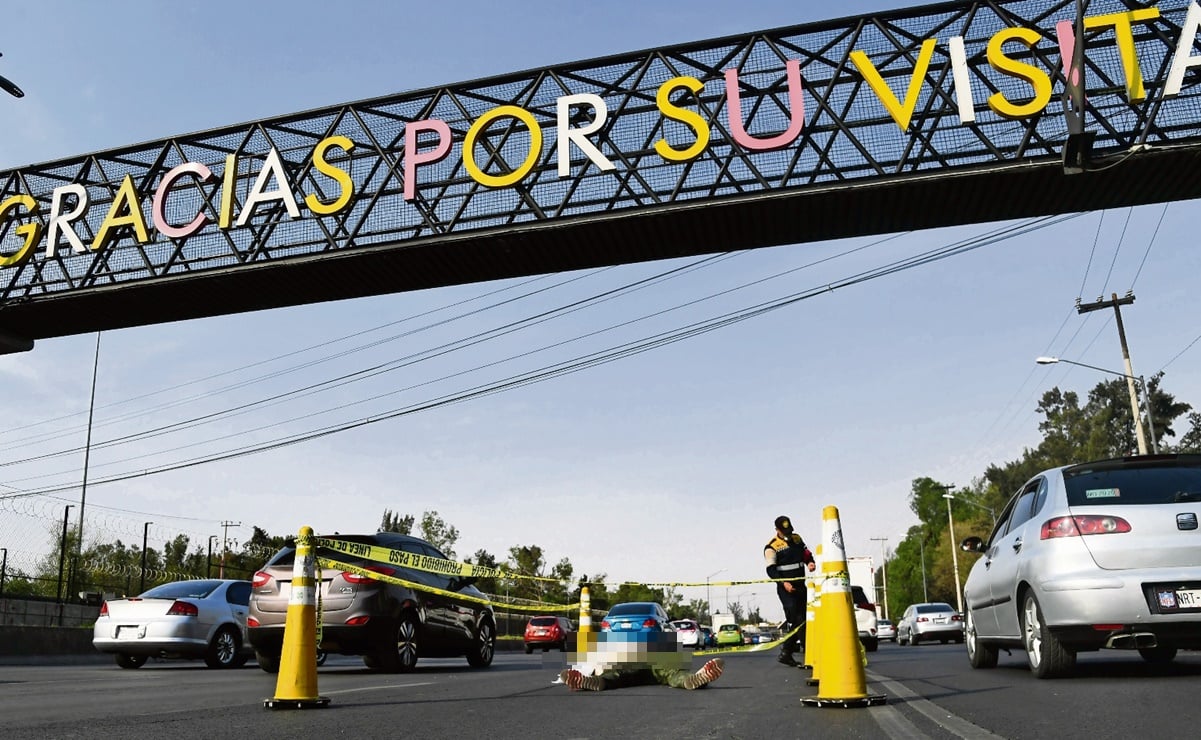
(944,114)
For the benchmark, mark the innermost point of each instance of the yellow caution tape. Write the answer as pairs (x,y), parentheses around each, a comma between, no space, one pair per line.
(377,576)
(749,648)
(426,563)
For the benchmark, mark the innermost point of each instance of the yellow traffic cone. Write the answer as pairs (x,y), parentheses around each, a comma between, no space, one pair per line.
(813,640)
(843,681)
(296,687)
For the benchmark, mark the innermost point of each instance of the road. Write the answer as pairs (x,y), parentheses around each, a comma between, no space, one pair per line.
(931,690)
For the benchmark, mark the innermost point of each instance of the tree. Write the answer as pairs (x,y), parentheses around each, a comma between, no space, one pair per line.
(482,557)
(395,523)
(438,533)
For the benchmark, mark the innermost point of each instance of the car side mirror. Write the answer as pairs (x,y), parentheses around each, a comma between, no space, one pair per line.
(461,582)
(973,544)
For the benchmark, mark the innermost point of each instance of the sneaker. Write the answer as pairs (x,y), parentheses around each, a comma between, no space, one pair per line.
(708,673)
(787,659)
(577,681)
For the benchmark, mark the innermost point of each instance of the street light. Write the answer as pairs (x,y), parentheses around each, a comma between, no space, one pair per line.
(208,573)
(883,572)
(954,556)
(708,597)
(1138,419)
(145,533)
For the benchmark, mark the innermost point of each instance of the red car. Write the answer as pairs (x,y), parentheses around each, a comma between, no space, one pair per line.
(548,632)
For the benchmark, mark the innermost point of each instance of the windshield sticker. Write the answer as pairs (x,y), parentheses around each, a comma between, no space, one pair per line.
(1102,493)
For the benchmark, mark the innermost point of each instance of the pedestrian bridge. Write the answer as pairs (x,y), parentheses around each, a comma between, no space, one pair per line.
(946,114)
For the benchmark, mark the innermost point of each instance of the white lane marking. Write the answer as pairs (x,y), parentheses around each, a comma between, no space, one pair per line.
(952,723)
(380,688)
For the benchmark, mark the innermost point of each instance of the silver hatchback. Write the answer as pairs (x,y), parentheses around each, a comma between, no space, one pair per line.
(1103,554)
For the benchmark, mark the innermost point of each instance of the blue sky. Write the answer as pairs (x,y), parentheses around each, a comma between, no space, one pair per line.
(668,466)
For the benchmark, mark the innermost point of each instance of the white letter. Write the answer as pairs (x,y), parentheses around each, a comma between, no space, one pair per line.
(272,167)
(579,136)
(64,221)
(963,81)
(1181,60)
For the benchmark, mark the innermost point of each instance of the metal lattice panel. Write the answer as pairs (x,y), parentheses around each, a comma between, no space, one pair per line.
(848,140)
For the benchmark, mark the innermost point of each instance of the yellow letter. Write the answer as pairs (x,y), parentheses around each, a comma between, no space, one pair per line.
(500,181)
(338,175)
(31,231)
(689,118)
(127,199)
(228,182)
(900,114)
(1121,28)
(1033,75)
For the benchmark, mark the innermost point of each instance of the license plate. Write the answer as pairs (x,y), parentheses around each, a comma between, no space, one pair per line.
(1188,598)
(127,633)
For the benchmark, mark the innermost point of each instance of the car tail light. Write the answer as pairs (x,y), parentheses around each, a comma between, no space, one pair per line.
(650,623)
(104,609)
(956,617)
(604,624)
(260,579)
(252,622)
(357,621)
(183,609)
(1082,524)
(922,619)
(358,578)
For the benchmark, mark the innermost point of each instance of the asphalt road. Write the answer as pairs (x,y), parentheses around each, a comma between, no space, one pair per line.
(931,690)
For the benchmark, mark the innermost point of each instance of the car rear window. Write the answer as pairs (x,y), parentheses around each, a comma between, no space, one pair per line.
(542,621)
(928,608)
(182,590)
(1150,482)
(632,608)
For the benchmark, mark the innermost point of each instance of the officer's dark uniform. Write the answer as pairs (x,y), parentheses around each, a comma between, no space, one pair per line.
(786,558)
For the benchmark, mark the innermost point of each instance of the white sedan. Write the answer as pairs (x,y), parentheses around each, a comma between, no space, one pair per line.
(184,619)
(689,633)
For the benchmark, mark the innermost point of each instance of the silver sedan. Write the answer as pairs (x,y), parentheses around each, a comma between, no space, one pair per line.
(1104,554)
(185,619)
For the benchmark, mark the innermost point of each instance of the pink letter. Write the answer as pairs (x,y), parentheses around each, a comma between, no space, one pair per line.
(202,173)
(414,158)
(796,102)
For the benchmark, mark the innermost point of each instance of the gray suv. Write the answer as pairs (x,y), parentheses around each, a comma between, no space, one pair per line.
(390,625)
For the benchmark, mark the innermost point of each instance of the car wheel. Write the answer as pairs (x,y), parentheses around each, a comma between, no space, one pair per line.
(529,649)
(223,650)
(902,641)
(131,661)
(402,657)
(321,656)
(871,645)
(269,663)
(978,654)
(1161,654)
(913,639)
(1045,654)
(484,646)
(563,646)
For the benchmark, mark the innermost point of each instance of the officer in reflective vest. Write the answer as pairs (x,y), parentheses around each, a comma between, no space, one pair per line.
(787,557)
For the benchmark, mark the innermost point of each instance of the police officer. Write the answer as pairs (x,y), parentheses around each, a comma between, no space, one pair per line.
(786,557)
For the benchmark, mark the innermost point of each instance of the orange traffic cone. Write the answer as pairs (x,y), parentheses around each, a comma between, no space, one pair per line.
(296,687)
(843,682)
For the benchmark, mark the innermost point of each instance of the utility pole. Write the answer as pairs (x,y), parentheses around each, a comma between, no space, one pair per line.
(1130,376)
(225,543)
(883,572)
